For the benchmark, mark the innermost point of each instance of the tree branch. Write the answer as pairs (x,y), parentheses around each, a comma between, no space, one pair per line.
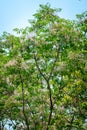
(48,85)
(51,105)
(23,102)
(39,68)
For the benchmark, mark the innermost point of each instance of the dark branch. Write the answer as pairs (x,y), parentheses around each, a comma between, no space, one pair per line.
(23,101)
(51,105)
(39,68)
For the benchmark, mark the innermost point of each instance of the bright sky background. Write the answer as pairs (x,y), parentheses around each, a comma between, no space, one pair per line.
(15,13)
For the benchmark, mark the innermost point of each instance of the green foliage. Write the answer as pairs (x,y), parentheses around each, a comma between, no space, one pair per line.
(43,76)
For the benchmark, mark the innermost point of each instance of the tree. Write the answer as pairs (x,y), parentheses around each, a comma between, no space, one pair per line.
(43,74)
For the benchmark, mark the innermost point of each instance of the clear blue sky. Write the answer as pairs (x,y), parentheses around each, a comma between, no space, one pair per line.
(15,13)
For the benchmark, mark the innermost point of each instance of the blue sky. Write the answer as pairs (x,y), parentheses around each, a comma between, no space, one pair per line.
(15,13)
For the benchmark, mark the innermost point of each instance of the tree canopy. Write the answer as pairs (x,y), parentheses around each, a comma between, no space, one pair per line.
(43,74)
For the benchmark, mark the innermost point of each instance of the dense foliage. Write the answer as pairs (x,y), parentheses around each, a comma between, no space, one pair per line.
(43,74)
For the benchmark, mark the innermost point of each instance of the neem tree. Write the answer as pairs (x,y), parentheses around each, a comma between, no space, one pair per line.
(43,74)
